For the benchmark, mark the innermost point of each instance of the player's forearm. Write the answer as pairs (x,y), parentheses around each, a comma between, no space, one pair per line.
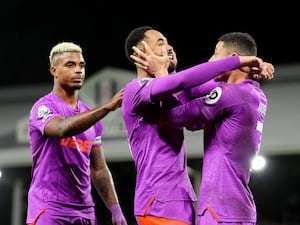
(104,185)
(66,127)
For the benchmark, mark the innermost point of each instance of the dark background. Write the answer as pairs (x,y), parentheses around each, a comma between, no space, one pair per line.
(30,28)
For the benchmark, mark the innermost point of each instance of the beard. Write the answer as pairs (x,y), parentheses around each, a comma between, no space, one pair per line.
(172,68)
(76,87)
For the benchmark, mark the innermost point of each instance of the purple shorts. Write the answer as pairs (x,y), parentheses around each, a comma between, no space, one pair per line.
(208,219)
(46,218)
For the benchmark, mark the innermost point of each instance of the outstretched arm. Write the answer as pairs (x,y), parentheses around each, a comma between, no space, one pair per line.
(156,64)
(196,75)
(66,127)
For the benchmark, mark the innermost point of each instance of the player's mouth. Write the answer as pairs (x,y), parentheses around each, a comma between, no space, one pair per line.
(77,79)
(170,54)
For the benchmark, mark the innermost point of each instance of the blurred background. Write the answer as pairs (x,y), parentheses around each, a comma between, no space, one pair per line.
(29,29)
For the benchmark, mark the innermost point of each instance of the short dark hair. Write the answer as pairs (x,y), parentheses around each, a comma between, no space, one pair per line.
(133,38)
(242,43)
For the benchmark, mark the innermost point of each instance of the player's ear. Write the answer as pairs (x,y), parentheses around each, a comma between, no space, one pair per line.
(234,54)
(141,47)
(52,70)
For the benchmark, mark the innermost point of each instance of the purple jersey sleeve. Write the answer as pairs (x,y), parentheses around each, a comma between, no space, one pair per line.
(191,77)
(41,114)
(196,92)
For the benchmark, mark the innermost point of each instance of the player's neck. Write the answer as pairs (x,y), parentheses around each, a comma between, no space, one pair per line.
(143,74)
(69,97)
(238,77)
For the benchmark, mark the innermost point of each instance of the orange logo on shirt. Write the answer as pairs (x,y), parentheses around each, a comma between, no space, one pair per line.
(81,145)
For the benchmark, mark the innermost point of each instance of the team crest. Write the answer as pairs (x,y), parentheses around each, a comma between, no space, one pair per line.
(213,96)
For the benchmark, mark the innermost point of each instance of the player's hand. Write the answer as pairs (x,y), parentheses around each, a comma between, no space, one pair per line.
(155,65)
(257,67)
(266,71)
(117,215)
(116,100)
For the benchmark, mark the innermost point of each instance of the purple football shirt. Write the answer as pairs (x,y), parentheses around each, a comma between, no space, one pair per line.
(61,181)
(232,117)
(159,154)
(163,186)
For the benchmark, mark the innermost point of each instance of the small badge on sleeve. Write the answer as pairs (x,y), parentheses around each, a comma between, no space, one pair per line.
(44,112)
(213,96)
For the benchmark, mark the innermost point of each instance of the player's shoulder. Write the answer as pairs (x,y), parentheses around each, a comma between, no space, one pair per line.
(223,92)
(140,81)
(45,98)
(136,84)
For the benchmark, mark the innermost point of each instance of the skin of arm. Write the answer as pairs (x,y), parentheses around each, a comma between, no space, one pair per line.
(102,178)
(66,127)
(104,184)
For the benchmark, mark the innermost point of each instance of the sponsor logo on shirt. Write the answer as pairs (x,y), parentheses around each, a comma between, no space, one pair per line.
(81,145)
(213,96)
(44,112)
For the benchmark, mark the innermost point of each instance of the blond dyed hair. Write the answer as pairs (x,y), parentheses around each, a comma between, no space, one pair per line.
(63,47)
